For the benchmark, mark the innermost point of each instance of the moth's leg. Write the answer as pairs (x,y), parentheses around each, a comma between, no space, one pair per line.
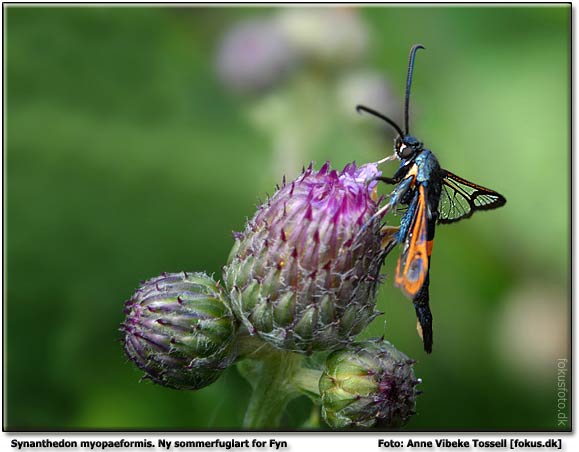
(396,195)
(399,175)
(388,180)
(389,238)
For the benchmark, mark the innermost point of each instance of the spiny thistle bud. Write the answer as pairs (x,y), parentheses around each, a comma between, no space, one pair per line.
(303,273)
(179,330)
(369,385)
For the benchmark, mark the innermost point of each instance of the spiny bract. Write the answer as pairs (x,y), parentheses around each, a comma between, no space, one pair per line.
(303,273)
(179,330)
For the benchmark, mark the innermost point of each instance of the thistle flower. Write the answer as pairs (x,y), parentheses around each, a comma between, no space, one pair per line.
(369,385)
(303,273)
(179,330)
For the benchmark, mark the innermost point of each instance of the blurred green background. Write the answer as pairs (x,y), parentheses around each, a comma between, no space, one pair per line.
(139,138)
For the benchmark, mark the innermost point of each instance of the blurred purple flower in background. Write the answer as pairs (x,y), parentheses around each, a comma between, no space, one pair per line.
(257,54)
(303,71)
(367,87)
(254,55)
(327,35)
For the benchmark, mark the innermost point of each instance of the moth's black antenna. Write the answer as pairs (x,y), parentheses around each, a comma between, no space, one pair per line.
(361,108)
(413,51)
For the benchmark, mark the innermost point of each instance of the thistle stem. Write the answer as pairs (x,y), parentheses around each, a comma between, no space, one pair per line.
(313,422)
(271,380)
(277,377)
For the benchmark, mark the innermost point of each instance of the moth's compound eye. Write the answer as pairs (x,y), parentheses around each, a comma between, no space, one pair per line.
(405,151)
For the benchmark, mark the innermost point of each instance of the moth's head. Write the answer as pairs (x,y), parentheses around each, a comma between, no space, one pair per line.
(407,147)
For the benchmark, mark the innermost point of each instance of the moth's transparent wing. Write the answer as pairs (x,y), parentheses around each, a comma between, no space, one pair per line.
(460,198)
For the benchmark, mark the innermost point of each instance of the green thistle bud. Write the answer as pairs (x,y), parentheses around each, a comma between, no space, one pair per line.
(303,273)
(179,330)
(370,385)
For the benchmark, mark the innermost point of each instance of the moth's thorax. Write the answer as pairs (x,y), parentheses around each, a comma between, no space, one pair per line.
(427,166)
